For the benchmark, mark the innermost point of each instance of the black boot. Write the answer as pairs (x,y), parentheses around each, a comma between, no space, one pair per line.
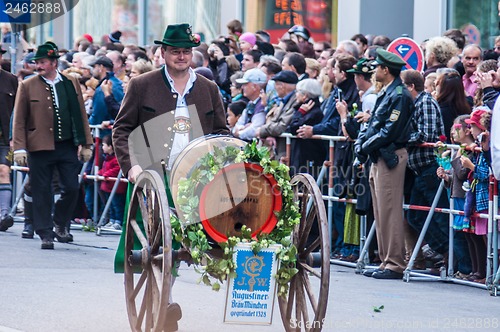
(28,230)
(6,222)
(28,216)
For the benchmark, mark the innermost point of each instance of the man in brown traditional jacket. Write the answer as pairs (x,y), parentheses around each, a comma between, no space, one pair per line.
(181,105)
(162,112)
(50,130)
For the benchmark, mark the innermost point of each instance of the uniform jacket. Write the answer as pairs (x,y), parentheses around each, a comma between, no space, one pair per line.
(8,90)
(143,133)
(390,121)
(34,116)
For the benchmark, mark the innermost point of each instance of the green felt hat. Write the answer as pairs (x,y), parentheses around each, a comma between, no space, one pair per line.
(388,59)
(51,43)
(179,35)
(46,51)
(363,66)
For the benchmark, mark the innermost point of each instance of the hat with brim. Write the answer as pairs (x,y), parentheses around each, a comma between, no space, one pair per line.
(103,60)
(28,58)
(475,118)
(179,35)
(388,59)
(51,43)
(46,51)
(286,76)
(363,66)
(254,75)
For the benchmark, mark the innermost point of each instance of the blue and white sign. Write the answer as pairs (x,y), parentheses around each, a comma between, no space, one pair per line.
(15,11)
(250,296)
(408,50)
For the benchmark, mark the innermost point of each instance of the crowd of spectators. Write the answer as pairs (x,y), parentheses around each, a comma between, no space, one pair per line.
(308,88)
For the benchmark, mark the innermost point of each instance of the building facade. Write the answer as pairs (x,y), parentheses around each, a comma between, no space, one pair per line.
(142,21)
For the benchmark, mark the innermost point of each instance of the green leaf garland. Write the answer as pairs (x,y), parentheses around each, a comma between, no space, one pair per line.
(215,270)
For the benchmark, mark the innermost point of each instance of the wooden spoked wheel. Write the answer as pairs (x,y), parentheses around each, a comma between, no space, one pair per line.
(304,307)
(148,266)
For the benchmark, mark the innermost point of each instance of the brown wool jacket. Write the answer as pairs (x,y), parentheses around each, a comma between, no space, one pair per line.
(33,123)
(143,131)
(8,89)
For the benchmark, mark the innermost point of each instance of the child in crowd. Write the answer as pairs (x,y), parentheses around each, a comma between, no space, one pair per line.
(88,94)
(234,111)
(430,84)
(460,134)
(480,124)
(110,168)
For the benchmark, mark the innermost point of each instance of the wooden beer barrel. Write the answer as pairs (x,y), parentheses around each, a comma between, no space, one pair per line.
(187,160)
(240,194)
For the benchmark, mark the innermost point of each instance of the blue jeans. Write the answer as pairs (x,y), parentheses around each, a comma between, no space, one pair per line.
(422,193)
(338,222)
(117,207)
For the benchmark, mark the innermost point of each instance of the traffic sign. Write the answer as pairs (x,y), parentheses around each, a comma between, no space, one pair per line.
(473,34)
(15,11)
(408,50)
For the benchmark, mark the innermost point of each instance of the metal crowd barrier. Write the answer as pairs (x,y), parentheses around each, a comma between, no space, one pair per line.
(100,221)
(493,270)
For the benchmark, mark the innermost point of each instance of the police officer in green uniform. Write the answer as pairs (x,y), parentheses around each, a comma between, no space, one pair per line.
(384,142)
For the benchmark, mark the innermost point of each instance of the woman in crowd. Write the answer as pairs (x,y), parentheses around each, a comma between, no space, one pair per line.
(306,154)
(450,95)
(484,67)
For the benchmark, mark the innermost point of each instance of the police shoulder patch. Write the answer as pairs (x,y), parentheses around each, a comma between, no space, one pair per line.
(399,89)
(394,115)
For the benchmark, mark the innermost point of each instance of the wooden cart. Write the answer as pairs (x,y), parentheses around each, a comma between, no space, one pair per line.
(148,270)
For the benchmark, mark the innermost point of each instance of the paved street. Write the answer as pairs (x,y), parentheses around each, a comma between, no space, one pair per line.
(73,288)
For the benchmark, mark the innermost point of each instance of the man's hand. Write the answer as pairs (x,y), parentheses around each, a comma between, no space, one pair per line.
(305,132)
(362,117)
(85,154)
(134,172)
(21,157)
(342,108)
(107,87)
(358,152)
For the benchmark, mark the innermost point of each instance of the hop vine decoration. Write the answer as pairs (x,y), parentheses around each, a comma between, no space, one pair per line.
(214,270)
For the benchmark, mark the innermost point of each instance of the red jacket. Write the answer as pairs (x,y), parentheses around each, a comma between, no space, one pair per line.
(110,168)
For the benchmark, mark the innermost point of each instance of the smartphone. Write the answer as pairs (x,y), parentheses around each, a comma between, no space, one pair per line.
(339,96)
(108,75)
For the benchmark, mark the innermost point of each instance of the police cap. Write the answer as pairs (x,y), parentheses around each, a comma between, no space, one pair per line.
(388,59)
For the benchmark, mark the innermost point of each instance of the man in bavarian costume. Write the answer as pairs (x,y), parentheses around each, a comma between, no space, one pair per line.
(50,130)
(163,111)
(184,106)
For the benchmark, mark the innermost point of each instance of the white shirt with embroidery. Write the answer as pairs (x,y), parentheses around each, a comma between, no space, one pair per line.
(182,123)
